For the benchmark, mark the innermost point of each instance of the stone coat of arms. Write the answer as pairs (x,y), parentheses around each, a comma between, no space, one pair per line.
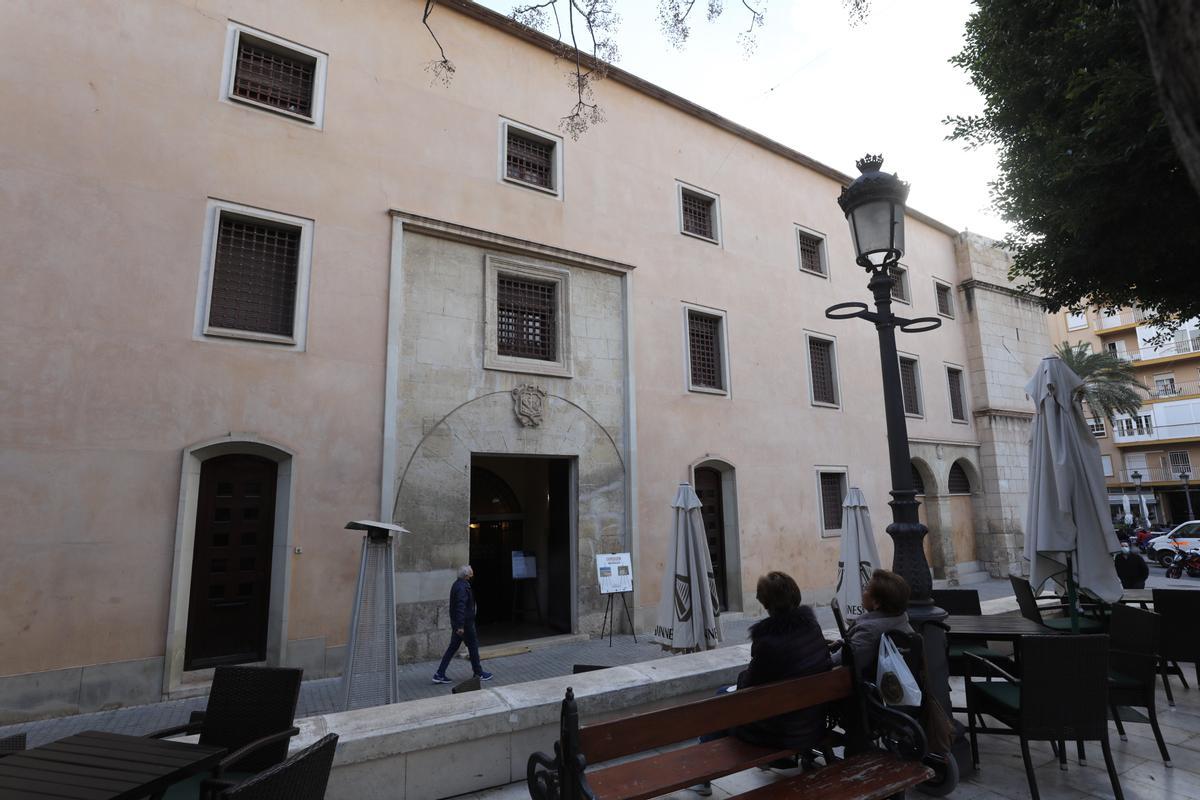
(529,403)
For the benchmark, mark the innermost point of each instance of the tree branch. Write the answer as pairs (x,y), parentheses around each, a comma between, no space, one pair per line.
(441,69)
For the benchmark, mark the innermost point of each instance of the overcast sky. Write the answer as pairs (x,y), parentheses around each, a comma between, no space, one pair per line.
(831,91)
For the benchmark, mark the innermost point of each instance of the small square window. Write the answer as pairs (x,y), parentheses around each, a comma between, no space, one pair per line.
(526,318)
(1076,320)
(812,252)
(910,386)
(958,406)
(822,371)
(945,300)
(832,487)
(707,352)
(899,284)
(530,157)
(1096,426)
(274,74)
(698,214)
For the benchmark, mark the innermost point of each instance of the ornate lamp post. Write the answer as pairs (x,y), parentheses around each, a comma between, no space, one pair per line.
(1183,476)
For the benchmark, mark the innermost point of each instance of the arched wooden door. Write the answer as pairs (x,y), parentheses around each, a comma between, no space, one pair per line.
(231,562)
(712,510)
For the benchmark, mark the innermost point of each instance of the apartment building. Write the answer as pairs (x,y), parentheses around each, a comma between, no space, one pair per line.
(263,278)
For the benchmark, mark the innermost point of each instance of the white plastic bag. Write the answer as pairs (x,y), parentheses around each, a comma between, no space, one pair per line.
(893,677)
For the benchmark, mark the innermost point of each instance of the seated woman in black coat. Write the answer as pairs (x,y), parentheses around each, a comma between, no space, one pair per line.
(787,644)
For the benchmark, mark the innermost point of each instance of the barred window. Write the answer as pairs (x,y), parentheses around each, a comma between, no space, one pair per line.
(918,481)
(958,408)
(810,253)
(274,76)
(833,491)
(945,300)
(254,276)
(958,482)
(704,347)
(899,284)
(529,159)
(822,371)
(699,214)
(526,318)
(910,387)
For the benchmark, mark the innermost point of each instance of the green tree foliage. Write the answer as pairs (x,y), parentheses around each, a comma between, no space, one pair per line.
(1109,385)
(1102,209)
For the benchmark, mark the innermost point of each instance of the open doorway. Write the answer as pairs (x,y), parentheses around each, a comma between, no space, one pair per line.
(521,530)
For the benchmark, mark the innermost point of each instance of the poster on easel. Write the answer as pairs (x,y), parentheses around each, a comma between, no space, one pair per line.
(524,566)
(615,572)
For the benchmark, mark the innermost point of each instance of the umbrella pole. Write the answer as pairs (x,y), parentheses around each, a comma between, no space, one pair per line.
(1072,595)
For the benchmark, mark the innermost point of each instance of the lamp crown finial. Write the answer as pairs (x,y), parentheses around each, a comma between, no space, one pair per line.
(869,163)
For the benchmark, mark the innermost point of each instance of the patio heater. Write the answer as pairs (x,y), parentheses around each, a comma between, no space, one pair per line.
(370,677)
(1187,494)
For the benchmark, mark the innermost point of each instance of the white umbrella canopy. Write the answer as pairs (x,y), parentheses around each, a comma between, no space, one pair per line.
(1068,505)
(859,557)
(688,612)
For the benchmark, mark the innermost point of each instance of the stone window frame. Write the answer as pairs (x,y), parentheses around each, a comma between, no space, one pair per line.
(723,347)
(962,384)
(533,133)
(234,33)
(938,286)
(822,250)
(916,359)
(562,366)
(202,331)
(680,188)
(837,373)
(818,471)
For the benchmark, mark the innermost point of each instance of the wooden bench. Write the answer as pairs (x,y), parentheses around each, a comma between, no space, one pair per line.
(620,759)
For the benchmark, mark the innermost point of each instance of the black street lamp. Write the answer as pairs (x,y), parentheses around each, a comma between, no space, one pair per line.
(1183,476)
(1137,485)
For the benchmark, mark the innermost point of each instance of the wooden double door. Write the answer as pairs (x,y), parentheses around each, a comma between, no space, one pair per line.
(712,511)
(230,592)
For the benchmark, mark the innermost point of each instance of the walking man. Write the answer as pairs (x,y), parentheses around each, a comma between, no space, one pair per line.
(462,622)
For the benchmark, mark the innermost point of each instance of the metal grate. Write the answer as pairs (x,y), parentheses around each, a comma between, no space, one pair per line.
(530,160)
(526,318)
(820,368)
(909,387)
(899,284)
(958,408)
(704,342)
(959,483)
(810,253)
(698,214)
(254,276)
(945,303)
(1181,461)
(833,489)
(277,78)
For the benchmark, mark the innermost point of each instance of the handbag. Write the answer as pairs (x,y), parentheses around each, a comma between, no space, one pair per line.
(893,677)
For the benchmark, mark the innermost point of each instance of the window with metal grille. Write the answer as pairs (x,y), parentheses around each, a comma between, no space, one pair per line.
(810,253)
(899,284)
(833,492)
(822,371)
(918,481)
(254,276)
(959,483)
(945,300)
(529,159)
(268,74)
(1096,426)
(704,346)
(910,386)
(526,318)
(698,216)
(1181,461)
(958,408)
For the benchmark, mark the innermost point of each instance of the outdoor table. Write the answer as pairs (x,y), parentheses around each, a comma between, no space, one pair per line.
(95,765)
(994,627)
(1142,596)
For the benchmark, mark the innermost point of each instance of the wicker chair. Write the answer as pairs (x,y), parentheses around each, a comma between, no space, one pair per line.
(966,602)
(1030,610)
(1177,609)
(304,776)
(250,712)
(12,744)
(1062,695)
(1134,637)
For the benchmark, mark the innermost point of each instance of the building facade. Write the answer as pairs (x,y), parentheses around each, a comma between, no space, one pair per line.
(263,279)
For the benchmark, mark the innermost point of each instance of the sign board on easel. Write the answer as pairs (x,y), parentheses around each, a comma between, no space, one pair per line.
(524,566)
(615,572)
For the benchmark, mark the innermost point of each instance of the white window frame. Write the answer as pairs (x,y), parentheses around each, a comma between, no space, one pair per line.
(837,373)
(1171,465)
(844,471)
(940,284)
(1077,322)
(1106,465)
(229,70)
(822,251)
(903,283)
(532,133)
(1098,427)
(722,344)
(680,188)
(949,395)
(562,366)
(920,389)
(201,330)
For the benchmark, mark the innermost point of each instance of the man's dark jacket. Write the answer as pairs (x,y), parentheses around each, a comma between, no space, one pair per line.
(1132,570)
(787,645)
(462,604)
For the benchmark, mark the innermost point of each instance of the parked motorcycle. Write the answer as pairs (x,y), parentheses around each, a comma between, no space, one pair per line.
(1184,561)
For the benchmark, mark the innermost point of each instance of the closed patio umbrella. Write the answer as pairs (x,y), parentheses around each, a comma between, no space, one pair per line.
(688,612)
(859,556)
(1069,535)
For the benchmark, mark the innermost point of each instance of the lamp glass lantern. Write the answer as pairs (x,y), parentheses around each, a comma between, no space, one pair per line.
(1137,480)
(874,207)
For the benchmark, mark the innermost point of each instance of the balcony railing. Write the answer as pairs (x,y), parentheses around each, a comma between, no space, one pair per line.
(1150,475)
(1127,317)
(1170,389)
(1175,348)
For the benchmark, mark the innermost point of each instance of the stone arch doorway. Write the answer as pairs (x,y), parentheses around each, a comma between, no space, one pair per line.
(962,484)
(715,482)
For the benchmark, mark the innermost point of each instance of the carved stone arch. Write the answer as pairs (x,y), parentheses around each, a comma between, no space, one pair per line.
(730,531)
(929,476)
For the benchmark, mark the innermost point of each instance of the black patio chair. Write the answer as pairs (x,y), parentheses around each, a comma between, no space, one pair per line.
(12,744)
(1177,609)
(966,602)
(250,712)
(304,776)
(1030,610)
(1134,637)
(1062,694)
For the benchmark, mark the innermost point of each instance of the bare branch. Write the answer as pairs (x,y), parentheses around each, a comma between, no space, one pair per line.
(857,11)
(749,37)
(441,70)
(534,15)
(672,19)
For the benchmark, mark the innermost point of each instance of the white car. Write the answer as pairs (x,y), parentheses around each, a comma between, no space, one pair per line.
(1185,536)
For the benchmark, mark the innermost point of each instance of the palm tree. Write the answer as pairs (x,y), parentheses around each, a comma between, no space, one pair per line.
(1109,386)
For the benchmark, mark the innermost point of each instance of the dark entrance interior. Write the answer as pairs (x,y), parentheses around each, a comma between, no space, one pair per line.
(521,507)
(231,562)
(712,510)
